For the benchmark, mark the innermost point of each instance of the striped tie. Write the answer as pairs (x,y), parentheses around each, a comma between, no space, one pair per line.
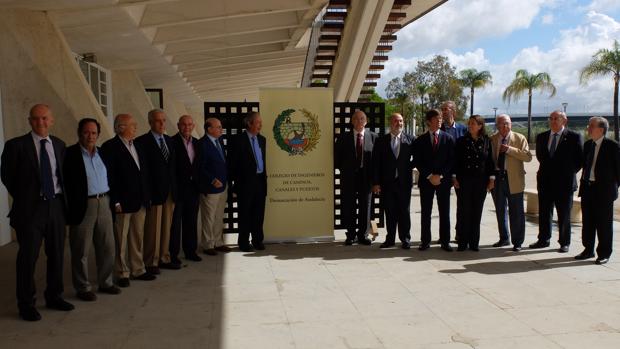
(164,149)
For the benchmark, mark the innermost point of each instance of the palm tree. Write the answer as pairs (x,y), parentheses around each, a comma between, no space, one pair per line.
(474,79)
(526,82)
(422,90)
(605,62)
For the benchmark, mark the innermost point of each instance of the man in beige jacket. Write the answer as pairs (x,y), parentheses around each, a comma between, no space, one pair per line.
(510,151)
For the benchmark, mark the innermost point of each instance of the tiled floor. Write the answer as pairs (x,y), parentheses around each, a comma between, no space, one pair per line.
(326,295)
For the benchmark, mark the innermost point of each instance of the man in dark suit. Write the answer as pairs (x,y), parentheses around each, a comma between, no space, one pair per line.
(160,160)
(393,179)
(560,154)
(213,188)
(185,216)
(88,212)
(598,190)
(31,171)
(129,198)
(248,174)
(352,156)
(434,160)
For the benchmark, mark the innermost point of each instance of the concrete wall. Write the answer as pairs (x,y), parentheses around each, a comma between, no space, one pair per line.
(129,96)
(36,66)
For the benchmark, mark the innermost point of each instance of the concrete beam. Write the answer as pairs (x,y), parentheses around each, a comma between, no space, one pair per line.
(228,42)
(227,53)
(272,58)
(223,71)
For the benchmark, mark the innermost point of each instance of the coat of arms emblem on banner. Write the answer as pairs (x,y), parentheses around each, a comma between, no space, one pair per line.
(296,137)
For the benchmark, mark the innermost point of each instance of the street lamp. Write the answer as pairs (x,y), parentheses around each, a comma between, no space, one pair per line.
(564,105)
(495,112)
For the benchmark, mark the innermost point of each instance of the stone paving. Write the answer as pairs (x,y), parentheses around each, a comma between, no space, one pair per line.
(326,295)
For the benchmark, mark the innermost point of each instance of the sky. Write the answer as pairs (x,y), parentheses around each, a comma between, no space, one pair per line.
(502,36)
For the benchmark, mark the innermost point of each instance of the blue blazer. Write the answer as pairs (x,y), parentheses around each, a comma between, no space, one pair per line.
(212,165)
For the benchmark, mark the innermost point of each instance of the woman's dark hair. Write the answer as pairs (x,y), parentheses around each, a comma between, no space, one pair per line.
(480,121)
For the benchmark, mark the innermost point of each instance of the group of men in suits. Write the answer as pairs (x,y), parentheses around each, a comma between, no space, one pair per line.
(135,200)
(383,165)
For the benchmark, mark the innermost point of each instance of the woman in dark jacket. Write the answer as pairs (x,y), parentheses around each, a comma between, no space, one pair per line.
(474,177)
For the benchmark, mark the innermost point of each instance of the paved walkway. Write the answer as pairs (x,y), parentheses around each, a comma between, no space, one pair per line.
(326,295)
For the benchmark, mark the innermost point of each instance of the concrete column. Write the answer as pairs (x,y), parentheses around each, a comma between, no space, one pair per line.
(363,29)
(129,96)
(37,66)
(5,228)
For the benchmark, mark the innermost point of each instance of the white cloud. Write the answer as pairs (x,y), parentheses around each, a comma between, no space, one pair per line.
(603,5)
(464,22)
(570,52)
(547,19)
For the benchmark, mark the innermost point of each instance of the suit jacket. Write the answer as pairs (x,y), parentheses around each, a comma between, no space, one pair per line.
(20,174)
(557,173)
(187,174)
(242,165)
(345,158)
(429,162)
(162,173)
(606,169)
(517,154)
(385,163)
(76,189)
(212,166)
(129,184)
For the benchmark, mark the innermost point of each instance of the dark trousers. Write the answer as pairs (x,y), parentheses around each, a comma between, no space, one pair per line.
(563,202)
(597,218)
(47,223)
(251,205)
(184,229)
(355,195)
(427,195)
(469,204)
(396,201)
(509,208)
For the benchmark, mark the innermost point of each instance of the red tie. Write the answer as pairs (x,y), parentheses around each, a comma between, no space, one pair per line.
(359,148)
(435,141)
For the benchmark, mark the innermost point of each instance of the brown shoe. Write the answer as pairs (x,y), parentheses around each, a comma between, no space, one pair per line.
(87,296)
(223,248)
(210,252)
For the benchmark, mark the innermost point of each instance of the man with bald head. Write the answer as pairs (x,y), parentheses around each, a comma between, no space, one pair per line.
(185,216)
(352,156)
(510,151)
(129,198)
(213,186)
(31,170)
(560,154)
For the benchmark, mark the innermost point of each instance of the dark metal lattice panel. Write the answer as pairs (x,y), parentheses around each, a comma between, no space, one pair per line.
(231,115)
(375,114)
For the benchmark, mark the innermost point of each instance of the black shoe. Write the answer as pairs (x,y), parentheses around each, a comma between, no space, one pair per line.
(584,255)
(387,244)
(86,296)
(517,249)
(447,248)
(348,242)
(461,248)
(211,252)
(110,290)
(364,241)
(258,246)
(438,242)
(145,277)
(193,258)
(123,282)
(245,248)
(223,248)
(424,247)
(170,266)
(153,270)
(59,304)
(501,243)
(175,260)
(405,245)
(563,249)
(540,244)
(601,261)
(475,249)
(29,314)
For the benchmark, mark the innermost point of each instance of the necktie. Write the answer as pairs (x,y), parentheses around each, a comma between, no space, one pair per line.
(395,146)
(258,155)
(501,158)
(359,153)
(47,182)
(219,149)
(435,141)
(164,149)
(554,144)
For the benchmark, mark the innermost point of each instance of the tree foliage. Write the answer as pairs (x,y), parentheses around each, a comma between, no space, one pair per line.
(472,79)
